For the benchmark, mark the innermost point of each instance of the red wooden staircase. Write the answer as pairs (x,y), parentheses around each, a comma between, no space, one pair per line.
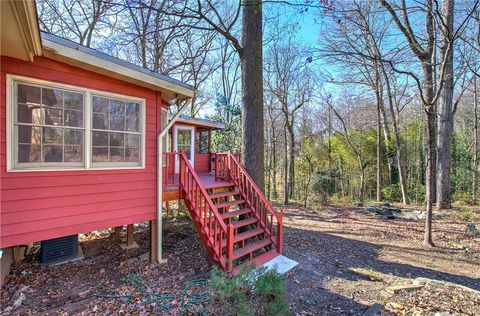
(236,223)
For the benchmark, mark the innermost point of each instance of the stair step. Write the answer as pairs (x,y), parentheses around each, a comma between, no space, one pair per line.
(248,234)
(254,246)
(224,194)
(258,261)
(245,222)
(229,203)
(236,213)
(219,185)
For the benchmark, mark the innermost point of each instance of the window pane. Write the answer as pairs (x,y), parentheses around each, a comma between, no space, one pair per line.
(100,121)
(100,105)
(52,97)
(117,115)
(133,115)
(73,101)
(73,118)
(53,116)
(73,137)
(52,153)
(117,122)
(117,154)
(100,154)
(52,135)
(132,141)
(116,139)
(28,94)
(73,153)
(29,113)
(29,135)
(100,139)
(29,153)
(132,155)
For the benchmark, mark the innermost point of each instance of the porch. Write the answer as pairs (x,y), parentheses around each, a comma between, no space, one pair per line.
(170,176)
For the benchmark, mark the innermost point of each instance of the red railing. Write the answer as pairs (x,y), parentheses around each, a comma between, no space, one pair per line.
(169,177)
(206,213)
(270,219)
(221,167)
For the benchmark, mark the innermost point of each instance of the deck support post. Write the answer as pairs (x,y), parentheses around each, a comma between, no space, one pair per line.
(129,235)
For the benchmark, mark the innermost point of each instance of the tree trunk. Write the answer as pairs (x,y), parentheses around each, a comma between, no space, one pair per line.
(252,91)
(274,164)
(285,168)
(291,163)
(445,114)
(475,139)
(379,151)
(430,172)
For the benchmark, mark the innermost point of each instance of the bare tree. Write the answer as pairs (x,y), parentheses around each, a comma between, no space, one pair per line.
(74,19)
(428,95)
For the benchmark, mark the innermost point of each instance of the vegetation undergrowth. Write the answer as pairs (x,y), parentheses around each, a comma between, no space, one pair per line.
(251,292)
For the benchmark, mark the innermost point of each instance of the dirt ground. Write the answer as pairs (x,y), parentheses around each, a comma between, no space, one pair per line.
(347,260)
(334,244)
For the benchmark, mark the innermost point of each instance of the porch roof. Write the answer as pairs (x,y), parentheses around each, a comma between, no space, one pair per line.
(200,122)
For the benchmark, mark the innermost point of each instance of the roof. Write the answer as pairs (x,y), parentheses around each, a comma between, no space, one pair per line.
(200,122)
(61,49)
(19,31)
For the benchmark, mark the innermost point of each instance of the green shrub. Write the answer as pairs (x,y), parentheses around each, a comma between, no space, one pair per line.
(264,288)
(463,198)
(232,291)
(466,215)
(392,193)
(270,287)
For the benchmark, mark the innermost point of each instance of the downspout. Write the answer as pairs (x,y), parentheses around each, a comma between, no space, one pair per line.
(160,180)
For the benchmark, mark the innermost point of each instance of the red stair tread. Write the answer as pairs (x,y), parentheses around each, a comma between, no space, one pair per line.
(240,252)
(236,213)
(258,261)
(219,185)
(248,234)
(224,194)
(229,203)
(245,222)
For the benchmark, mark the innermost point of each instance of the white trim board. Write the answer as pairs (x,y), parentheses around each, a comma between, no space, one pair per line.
(175,144)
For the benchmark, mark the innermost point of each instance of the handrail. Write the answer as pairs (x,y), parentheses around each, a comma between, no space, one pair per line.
(207,213)
(257,201)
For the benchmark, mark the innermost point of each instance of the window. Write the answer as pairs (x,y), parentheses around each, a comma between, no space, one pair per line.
(184,141)
(115,131)
(202,141)
(49,126)
(62,127)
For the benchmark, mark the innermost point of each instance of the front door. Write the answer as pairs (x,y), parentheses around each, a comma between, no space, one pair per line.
(184,140)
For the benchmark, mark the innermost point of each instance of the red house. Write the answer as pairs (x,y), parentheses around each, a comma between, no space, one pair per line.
(82,139)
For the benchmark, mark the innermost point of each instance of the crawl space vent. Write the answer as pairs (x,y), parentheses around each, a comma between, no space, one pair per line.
(59,248)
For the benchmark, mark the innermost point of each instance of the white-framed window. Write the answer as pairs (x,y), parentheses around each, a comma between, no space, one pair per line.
(60,127)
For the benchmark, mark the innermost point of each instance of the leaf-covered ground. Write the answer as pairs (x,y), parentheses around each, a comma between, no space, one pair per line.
(334,244)
(347,261)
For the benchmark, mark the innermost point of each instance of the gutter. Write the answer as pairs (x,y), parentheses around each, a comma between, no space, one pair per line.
(160,182)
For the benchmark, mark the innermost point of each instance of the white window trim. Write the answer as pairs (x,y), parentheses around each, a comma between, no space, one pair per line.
(175,143)
(10,126)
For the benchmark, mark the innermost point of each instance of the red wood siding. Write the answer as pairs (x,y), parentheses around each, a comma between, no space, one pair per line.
(42,205)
